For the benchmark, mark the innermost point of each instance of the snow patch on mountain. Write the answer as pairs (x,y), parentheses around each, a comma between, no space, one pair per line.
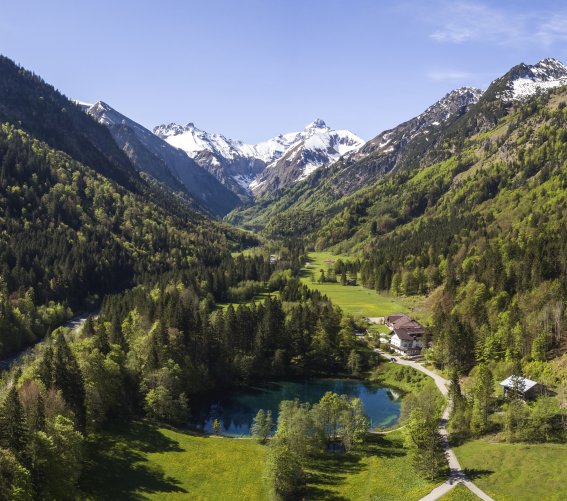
(527,80)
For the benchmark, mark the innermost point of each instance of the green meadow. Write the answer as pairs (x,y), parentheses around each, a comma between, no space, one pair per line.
(509,471)
(143,461)
(459,493)
(355,300)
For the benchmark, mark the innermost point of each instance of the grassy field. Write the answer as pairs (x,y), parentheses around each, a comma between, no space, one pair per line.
(142,461)
(382,470)
(355,300)
(516,471)
(459,493)
(402,377)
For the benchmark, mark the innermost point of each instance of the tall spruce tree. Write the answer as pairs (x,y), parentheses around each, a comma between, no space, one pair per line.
(13,426)
(67,377)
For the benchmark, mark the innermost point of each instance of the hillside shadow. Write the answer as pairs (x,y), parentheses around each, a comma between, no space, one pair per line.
(117,469)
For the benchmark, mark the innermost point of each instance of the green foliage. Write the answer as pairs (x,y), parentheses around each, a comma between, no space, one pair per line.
(216,427)
(15,483)
(427,400)
(13,426)
(482,400)
(71,235)
(306,430)
(297,429)
(262,425)
(422,436)
(284,473)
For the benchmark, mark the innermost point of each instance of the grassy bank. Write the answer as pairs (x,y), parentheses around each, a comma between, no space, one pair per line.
(516,471)
(381,470)
(400,376)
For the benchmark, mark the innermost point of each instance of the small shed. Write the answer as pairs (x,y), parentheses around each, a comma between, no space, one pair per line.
(530,389)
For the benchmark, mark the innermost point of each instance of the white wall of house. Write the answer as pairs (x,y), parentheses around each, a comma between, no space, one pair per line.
(396,341)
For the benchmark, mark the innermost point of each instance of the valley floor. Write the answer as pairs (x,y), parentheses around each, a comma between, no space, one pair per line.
(143,461)
(356,300)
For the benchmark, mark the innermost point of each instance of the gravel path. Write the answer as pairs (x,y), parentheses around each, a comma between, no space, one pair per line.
(456,475)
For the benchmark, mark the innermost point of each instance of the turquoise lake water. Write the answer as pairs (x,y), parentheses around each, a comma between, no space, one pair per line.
(236,408)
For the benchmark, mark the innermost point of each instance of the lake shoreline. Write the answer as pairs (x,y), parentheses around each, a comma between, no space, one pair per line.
(236,408)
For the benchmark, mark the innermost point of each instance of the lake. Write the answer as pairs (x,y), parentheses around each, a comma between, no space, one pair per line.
(237,408)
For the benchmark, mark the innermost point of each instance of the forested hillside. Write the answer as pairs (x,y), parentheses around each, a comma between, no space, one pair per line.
(71,235)
(81,229)
(484,231)
(77,219)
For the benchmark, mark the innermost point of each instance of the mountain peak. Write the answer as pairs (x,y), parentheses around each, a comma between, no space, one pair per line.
(525,80)
(317,124)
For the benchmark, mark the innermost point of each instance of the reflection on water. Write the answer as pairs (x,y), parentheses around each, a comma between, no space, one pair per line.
(236,408)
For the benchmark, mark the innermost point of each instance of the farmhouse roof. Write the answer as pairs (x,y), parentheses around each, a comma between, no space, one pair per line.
(408,333)
(527,383)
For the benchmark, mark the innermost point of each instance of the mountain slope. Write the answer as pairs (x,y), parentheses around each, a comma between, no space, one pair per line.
(251,169)
(167,164)
(484,231)
(392,149)
(433,136)
(75,229)
(29,103)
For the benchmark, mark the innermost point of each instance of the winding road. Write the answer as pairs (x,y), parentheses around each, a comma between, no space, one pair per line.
(456,475)
(73,324)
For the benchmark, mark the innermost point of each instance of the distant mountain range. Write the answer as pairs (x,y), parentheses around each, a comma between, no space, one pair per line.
(169,165)
(222,173)
(252,169)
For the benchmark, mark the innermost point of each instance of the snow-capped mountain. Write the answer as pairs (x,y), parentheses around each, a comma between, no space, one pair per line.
(233,163)
(315,146)
(400,147)
(252,168)
(453,104)
(169,165)
(524,80)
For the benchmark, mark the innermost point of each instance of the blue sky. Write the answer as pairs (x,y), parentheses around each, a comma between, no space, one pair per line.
(251,69)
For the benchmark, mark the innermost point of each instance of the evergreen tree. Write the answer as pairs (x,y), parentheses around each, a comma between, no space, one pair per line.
(422,436)
(482,397)
(13,426)
(67,377)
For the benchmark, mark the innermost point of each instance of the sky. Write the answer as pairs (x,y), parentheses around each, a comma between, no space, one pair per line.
(251,69)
